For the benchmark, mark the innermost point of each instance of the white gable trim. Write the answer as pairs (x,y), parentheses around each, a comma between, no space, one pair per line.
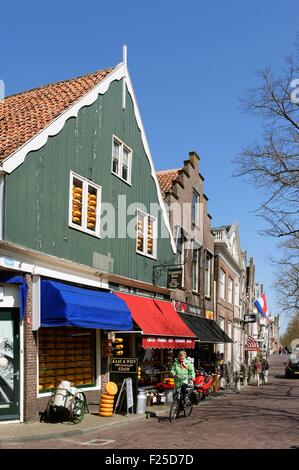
(38,141)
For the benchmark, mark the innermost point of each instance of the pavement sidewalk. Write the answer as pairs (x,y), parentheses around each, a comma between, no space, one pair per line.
(36,430)
(39,430)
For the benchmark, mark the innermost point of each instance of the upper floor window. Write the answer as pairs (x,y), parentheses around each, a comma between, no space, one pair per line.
(84,205)
(208,274)
(180,247)
(195,207)
(195,266)
(230,290)
(146,234)
(237,293)
(222,284)
(121,160)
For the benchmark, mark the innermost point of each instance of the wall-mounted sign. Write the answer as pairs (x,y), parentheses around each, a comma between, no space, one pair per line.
(174,278)
(182,307)
(135,291)
(251,318)
(124,365)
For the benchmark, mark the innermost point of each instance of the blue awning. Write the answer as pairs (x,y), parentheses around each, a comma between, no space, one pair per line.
(66,305)
(23,289)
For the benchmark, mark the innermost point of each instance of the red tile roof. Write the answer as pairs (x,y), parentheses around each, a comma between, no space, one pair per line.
(166,178)
(24,115)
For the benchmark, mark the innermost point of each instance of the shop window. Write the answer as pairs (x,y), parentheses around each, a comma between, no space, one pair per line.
(121,160)
(66,354)
(84,212)
(146,234)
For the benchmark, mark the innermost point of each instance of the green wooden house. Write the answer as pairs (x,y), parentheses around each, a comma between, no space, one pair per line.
(81,206)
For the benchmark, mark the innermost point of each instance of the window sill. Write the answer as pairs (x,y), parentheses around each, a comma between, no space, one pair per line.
(86,231)
(122,179)
(146,256)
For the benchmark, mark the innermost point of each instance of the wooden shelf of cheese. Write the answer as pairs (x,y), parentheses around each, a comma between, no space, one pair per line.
(150,239)
(77,206)
(62,357)
(140,234)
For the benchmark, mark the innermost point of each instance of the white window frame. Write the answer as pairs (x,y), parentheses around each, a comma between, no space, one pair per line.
(230,284)
(145,229)
(120,162)
(196,247)
(222,284)
(180,242)
(195,221)
(85,184)
(208,274)
(237,293)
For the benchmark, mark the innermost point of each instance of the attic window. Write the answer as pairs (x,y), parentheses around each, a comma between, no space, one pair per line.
(84,205)
(121,160)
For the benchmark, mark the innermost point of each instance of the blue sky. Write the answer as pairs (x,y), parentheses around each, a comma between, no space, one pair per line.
(189,62)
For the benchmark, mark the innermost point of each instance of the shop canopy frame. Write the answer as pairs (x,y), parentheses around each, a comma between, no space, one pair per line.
(68,305)
(206,330)
(161,325)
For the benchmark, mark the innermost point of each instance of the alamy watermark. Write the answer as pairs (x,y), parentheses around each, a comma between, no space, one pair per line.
(2,89)
(295,92)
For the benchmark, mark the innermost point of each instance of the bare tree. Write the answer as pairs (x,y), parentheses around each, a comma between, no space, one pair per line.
(273,164)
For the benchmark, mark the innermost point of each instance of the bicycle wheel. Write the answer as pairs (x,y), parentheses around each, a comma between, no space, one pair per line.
(188,408)
(174,409)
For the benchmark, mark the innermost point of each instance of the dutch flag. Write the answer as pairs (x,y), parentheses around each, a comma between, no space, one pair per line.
(261,305)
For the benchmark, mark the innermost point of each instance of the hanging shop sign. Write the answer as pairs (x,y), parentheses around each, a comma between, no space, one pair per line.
(136,291)
(182,307)
(124,365)
(250,318)
(174,278)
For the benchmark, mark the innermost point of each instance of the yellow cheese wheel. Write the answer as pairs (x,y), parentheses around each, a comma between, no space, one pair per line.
(92,203)
(91,226)
(111,388)
(77,189)
(118,340)
(108,397)
(119,346)
(106,406)
(75,219)
(76,213)
(104,401)
(103,413)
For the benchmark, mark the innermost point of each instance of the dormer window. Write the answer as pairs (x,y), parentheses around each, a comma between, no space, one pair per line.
(121,160)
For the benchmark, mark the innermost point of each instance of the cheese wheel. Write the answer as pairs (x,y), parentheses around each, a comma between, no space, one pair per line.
(107,400)
(91,226)
(76,213)
(111,388)
(92,203)
(106,406)
(76,220)
(77,189)
(103,413)
(107,396)
(104,401)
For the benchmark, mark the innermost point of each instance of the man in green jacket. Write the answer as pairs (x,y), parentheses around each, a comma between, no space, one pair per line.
(182,370)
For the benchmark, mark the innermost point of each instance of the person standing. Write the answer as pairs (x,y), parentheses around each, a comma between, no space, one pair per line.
(265,368)
(182,370)
(258,371)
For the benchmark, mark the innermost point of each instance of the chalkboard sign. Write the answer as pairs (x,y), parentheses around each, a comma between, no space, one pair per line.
(124,365)
(174,278)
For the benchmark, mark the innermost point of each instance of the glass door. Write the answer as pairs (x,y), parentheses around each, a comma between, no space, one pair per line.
(9,364)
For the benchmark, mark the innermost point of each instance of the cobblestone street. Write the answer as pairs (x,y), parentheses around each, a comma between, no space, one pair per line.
(265,417)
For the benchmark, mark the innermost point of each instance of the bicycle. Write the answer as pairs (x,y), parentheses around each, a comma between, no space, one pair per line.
(181,402)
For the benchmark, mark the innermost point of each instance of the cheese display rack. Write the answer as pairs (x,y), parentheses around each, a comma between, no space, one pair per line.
(65,354)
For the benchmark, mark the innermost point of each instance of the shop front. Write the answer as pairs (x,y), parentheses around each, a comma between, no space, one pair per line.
(208,335)
(161,334)
(72,324)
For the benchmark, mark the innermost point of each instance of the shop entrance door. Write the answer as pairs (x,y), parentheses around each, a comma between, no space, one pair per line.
(9,364)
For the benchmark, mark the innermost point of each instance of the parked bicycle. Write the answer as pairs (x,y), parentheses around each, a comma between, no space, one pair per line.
(181,402)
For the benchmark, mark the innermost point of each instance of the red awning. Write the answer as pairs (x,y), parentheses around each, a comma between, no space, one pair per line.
(161,325)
